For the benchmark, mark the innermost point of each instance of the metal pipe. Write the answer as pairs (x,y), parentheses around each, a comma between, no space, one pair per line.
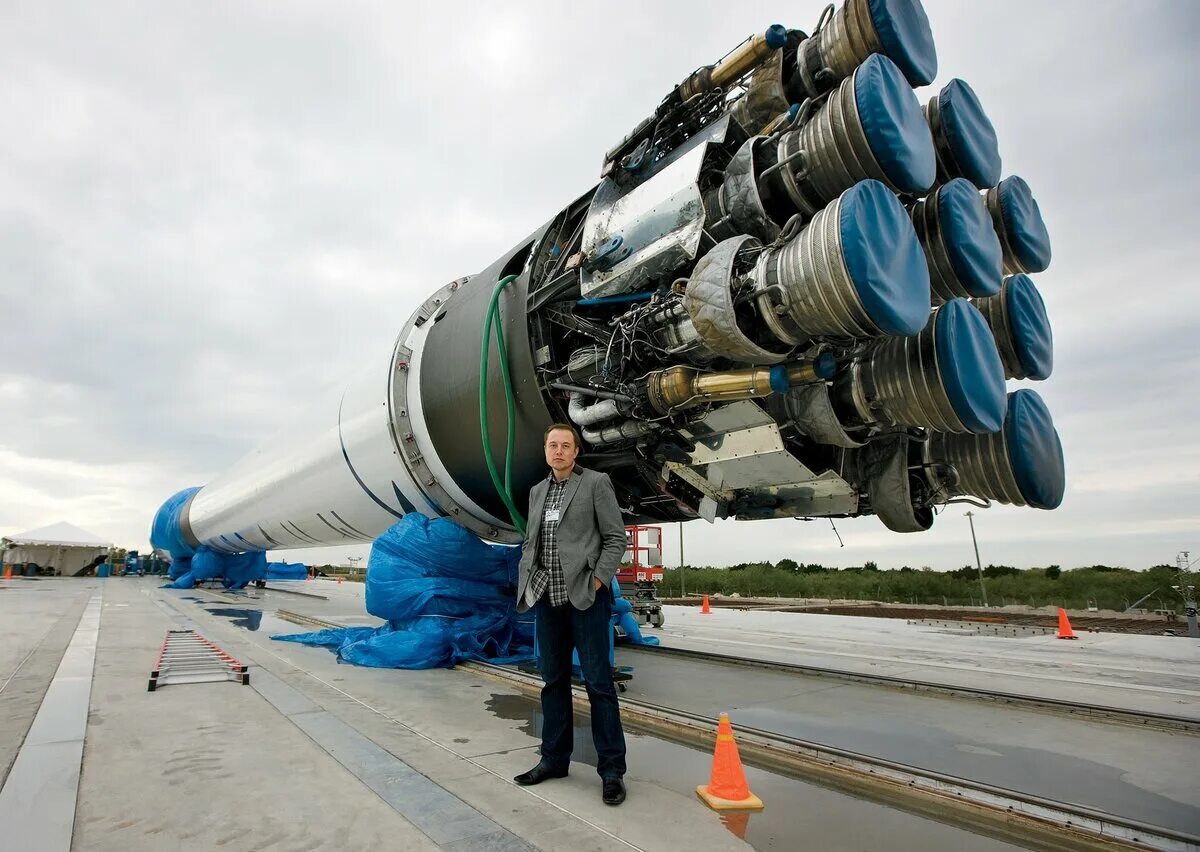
(596,392)
(627,431)
(589,415)
(687,387)
(738,63)
(743,58)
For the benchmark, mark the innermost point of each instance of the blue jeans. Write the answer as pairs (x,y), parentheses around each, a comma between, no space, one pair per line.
(559,629)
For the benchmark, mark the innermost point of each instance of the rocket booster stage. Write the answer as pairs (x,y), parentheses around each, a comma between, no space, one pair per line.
(795,292)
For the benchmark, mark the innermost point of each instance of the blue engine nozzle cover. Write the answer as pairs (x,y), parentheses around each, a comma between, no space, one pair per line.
(1032,337)
(1034,450)
(894,126)
(971,242)
(776,36)
(905,37)
(884,258)
(969,366)
(966,135)
(1019,222)
(166,530)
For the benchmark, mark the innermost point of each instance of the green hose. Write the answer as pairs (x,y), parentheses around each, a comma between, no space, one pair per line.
(504,489)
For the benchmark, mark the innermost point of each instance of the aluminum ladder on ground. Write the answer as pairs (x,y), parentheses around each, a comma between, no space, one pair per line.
(188,657)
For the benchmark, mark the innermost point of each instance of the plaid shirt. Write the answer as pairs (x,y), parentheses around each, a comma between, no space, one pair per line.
(549,577)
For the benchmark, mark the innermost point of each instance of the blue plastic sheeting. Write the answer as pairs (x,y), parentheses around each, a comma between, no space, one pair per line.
(235,570)
(623,617)
(969,135)
(1034,450)
(165,531)
(906,38)
(971,241)
(884,258)
(180,565)
(1032,337)
(446,596)
(1023,224)
(970,367)
(894,125)
(286,571)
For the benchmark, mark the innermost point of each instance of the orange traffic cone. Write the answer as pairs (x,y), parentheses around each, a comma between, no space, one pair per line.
(339,580)
(704,608)
(1064,625)
(727,789)
(7,572)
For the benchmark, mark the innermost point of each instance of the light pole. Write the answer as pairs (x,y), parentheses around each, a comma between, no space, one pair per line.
(1188,591)
(978,564)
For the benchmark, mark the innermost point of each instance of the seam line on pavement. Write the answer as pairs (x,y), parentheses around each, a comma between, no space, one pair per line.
(314,715)
(37,802)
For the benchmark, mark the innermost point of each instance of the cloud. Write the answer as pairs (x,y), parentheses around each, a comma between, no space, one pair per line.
(210,214)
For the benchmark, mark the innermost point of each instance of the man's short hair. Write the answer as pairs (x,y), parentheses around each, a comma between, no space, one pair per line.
(566,427)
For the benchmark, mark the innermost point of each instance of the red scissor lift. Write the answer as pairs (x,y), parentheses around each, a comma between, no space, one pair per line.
(641,572)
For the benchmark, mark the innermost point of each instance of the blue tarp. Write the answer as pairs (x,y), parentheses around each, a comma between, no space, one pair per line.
(1029,327)
(166,532)
(286,571)
(446,597)
(969,135)
(236,570)
(894,126)
(884,258)
(970,366)
(970,238)
(623,616)
(1034,450)
(905,36)
(1024,227)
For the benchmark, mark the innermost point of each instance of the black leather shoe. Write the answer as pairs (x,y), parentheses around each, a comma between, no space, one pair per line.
(614,791)
(538,774)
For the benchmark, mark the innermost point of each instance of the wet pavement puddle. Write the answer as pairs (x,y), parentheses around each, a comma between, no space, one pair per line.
(250,619)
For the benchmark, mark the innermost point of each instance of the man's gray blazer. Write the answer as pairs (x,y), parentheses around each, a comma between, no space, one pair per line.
(591,535)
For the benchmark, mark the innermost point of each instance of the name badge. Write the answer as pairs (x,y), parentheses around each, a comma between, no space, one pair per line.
(552,515)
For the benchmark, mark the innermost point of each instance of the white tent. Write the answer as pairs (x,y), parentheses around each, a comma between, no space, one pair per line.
(64,547)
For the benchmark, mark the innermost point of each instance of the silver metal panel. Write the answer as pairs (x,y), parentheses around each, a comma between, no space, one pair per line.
(759,471)
(739,444)
(736,415)
(334,480)
(740,453)
(661,219)
(740,447)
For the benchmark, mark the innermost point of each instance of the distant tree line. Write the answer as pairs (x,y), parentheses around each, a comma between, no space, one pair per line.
(1104,586)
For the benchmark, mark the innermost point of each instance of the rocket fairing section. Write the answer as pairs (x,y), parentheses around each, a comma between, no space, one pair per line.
(794,292)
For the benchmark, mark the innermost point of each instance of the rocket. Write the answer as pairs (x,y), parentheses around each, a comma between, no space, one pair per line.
(795,291)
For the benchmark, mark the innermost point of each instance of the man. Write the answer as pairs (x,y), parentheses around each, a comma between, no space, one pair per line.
(573,547)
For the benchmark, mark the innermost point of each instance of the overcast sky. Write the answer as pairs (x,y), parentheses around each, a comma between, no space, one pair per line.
(211,212)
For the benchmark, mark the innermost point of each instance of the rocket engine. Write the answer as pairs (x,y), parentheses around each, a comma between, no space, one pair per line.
(795,292)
